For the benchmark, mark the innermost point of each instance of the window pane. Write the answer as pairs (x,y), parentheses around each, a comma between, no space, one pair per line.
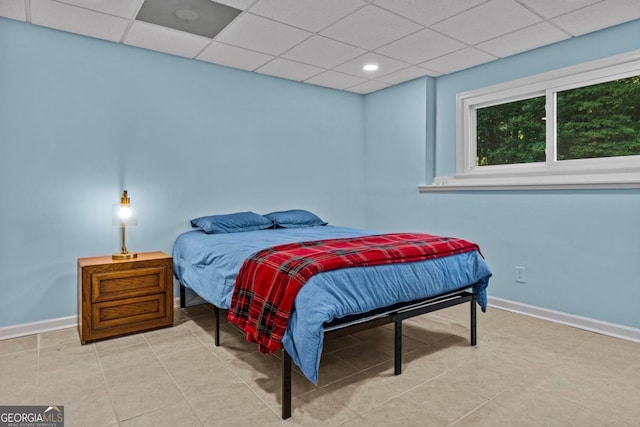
(511,133)
(602,120)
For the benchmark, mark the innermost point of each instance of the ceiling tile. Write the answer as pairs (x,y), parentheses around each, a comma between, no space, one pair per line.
(387,65)
(77,20)
(428,12)
(599,16)
(323,52)
(459,60)
(262,35)
(432,73)
(551,8)
(487,21)
(122,8)
(370,28)
(335,80)
(421,46)
(311,15)
(289,69)
(232,56)
(165,40)
(403,75)
(326,42)
(13,9)
(368,87)
(519,41)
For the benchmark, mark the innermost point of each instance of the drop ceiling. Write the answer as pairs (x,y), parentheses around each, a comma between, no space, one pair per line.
(327,42)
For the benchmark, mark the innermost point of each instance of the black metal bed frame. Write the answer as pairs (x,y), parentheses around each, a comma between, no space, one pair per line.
(351,324)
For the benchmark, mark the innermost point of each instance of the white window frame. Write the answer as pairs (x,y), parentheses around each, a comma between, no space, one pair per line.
(605,172)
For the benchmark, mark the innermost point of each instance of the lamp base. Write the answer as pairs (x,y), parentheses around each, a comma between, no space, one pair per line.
(126,255)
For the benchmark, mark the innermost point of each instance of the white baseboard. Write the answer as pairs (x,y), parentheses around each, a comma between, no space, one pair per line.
(601,327)
(33,328)
(24,329)
(605,328)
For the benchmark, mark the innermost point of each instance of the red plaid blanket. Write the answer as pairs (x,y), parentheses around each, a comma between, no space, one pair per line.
(269,280)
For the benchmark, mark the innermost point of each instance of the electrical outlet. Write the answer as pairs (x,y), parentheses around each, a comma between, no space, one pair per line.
(520,277)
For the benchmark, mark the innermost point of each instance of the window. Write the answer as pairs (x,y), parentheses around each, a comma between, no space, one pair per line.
(511,133)
(601,120)
(576,127)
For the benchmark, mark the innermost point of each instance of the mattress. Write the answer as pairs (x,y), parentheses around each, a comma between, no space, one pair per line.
(209,264)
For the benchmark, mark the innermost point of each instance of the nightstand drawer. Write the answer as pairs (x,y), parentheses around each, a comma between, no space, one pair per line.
(119,297)
(130,311)
(110,285)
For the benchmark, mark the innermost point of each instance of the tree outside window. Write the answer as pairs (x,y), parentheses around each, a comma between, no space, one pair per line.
(595,121)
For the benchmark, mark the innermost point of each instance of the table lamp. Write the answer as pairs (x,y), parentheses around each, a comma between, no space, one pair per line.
(124,215)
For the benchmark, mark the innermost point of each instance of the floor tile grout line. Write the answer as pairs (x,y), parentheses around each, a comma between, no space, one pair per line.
(246,384)
(254,392)
(580,404)
(405,392)
(492,399)
(557,395)
(351,374)
(219,359)
(37,368)
(250,388)
(556,362)
(184,397)
(457,420)
(242,380)
(414,387)
(109,391)
(115,348)
(297,395)
(106,385)
(225,364)
(554,393)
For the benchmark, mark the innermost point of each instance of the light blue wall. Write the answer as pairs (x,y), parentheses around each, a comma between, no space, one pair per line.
(580,248)
(81,119)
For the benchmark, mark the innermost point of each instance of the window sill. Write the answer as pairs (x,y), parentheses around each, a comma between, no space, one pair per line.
(546,182)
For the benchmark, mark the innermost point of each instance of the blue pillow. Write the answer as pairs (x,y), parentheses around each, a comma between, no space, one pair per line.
(294,218)
(232,223)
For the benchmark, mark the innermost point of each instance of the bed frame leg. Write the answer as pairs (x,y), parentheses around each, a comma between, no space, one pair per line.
(474,336)
(397,363)
(183,299)
(216,314)
(286,385)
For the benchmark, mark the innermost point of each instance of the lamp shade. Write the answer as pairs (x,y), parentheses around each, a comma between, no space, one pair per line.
(124,213)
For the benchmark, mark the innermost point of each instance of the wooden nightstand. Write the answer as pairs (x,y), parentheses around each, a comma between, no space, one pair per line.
(122,297)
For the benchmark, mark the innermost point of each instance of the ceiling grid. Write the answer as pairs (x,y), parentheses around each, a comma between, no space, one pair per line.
(327,42)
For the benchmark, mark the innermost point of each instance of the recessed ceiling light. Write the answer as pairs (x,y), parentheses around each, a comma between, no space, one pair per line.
(370,67)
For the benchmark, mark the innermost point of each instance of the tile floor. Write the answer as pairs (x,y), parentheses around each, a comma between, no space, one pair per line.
(524,372)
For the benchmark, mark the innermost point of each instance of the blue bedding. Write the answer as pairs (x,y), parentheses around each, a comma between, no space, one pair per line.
(209,264)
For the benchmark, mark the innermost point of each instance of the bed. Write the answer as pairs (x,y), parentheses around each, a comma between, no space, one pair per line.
(333,302)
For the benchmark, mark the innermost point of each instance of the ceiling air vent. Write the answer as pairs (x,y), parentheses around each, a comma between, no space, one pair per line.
(202,17)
